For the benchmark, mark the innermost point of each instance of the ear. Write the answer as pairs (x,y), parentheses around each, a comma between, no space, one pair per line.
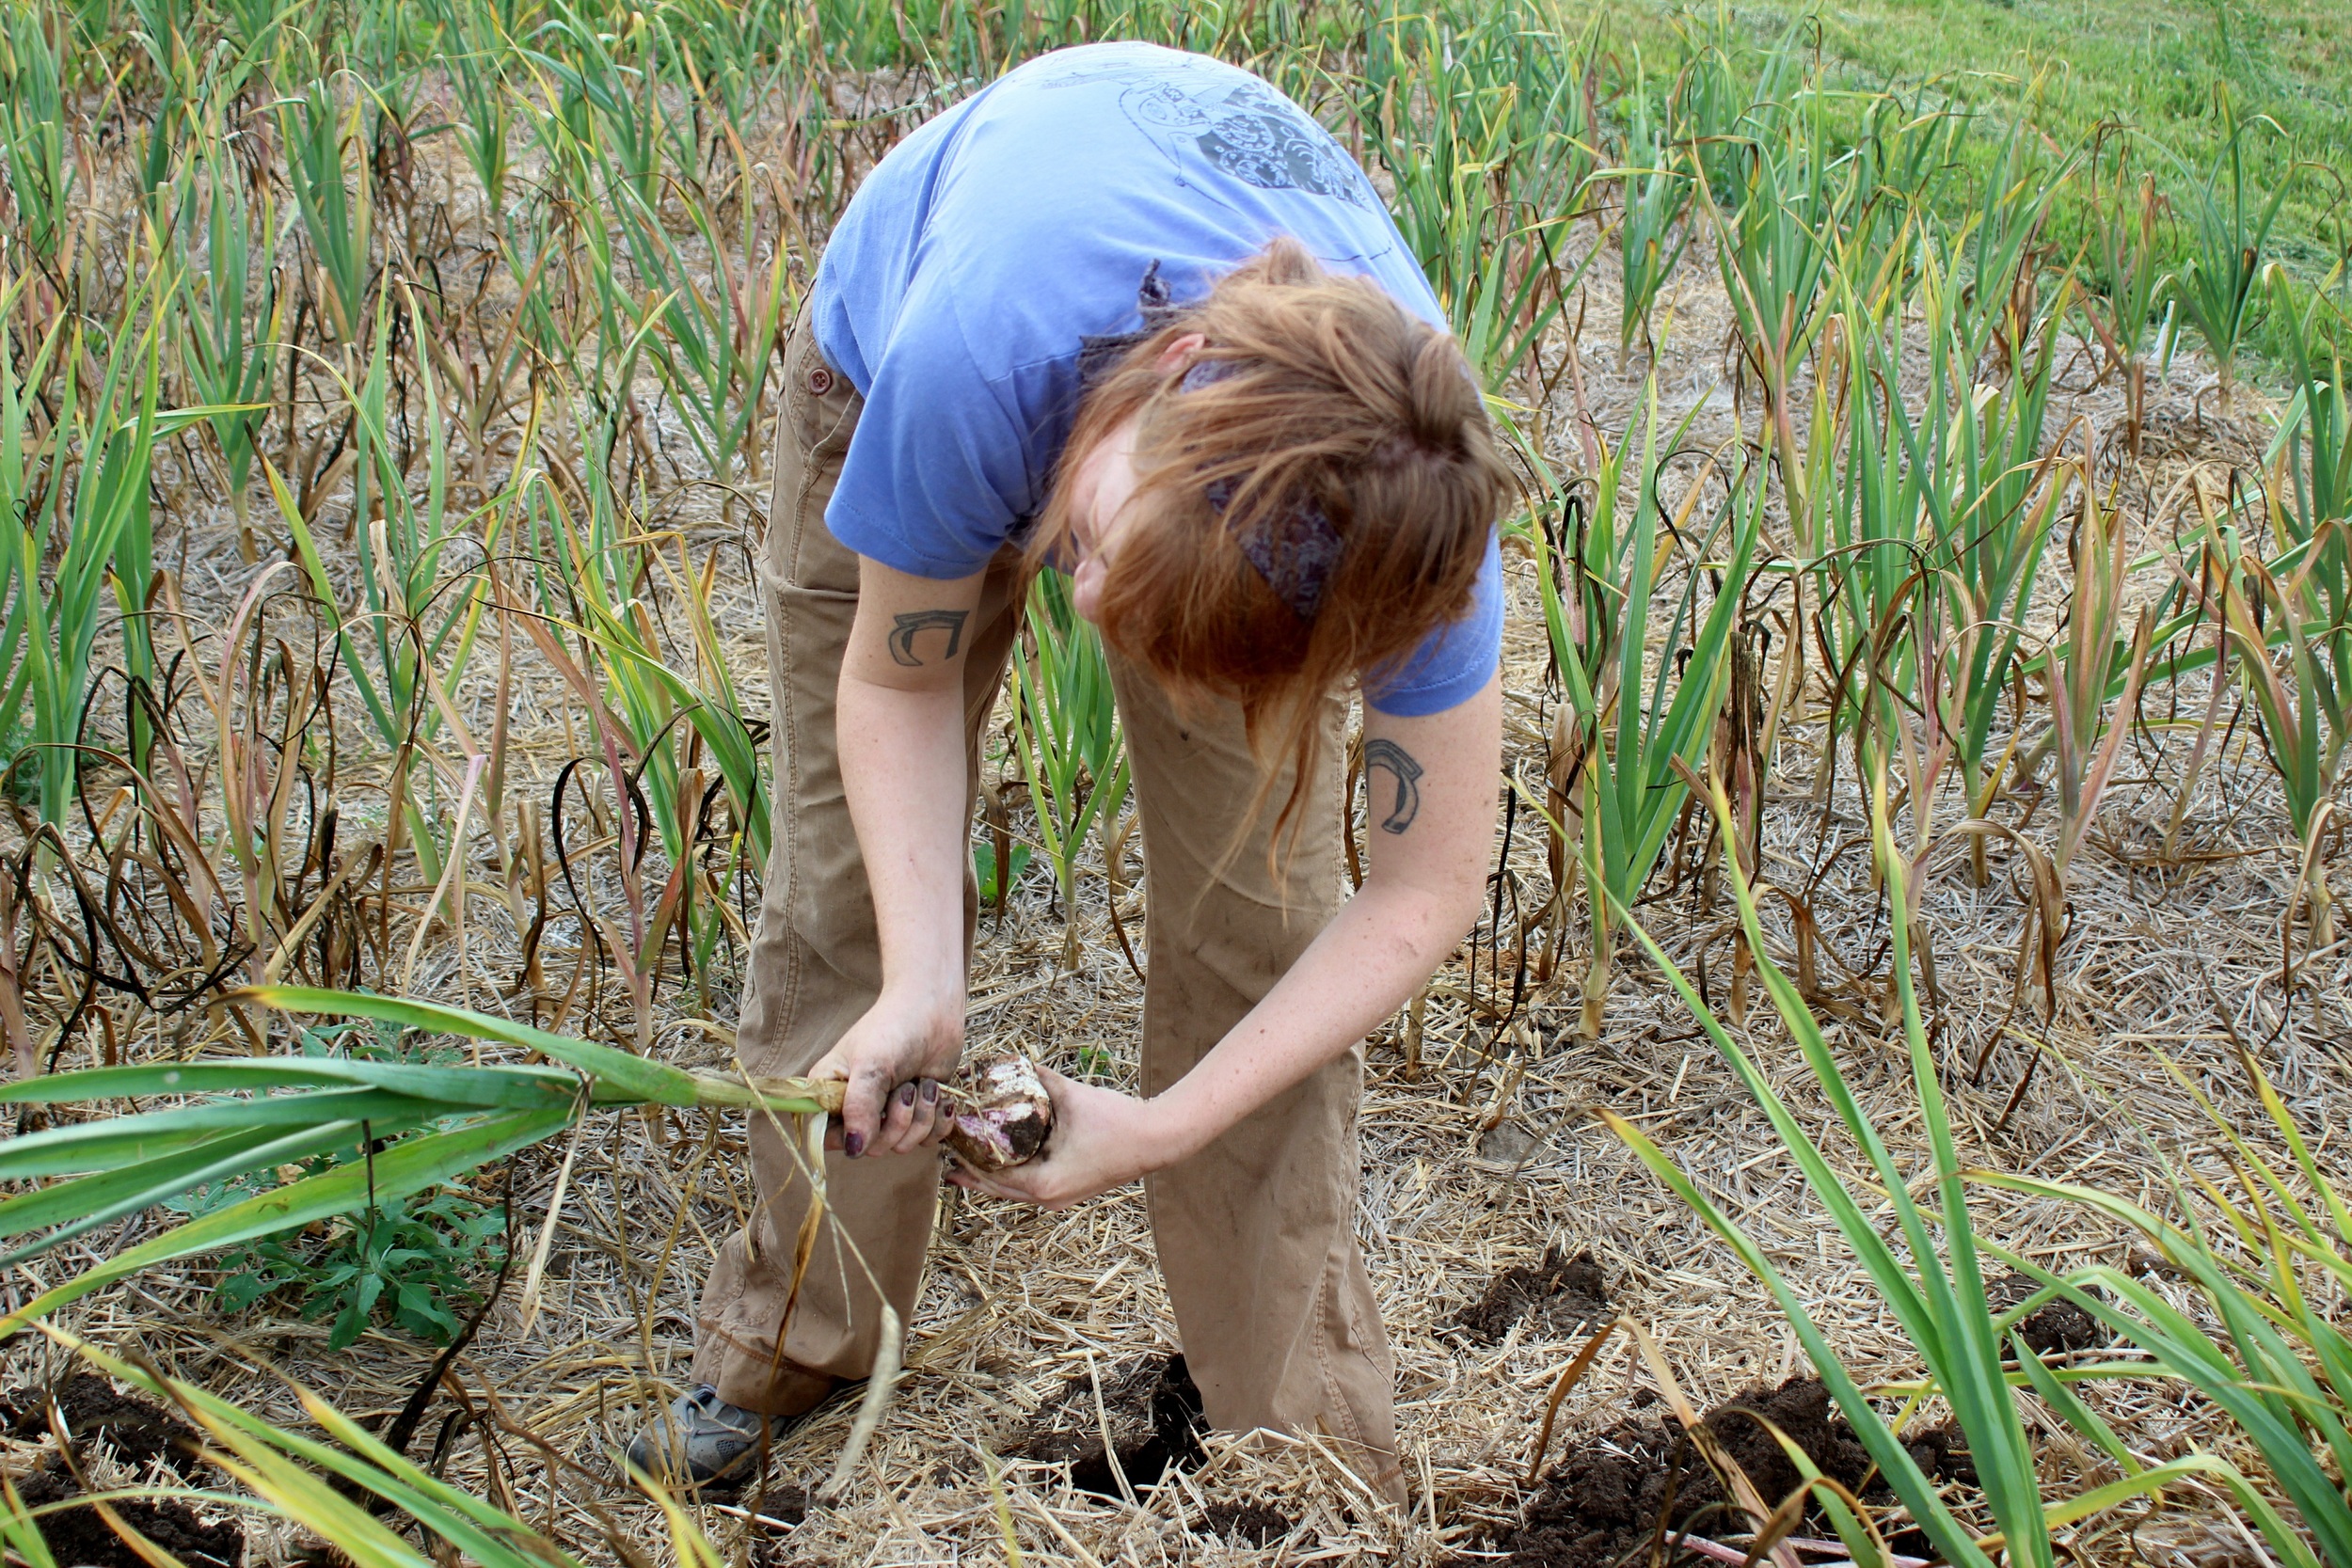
(1180,352)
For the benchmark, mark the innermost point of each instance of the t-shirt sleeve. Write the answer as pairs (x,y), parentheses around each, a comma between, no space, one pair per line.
(935,479)
(1454,664)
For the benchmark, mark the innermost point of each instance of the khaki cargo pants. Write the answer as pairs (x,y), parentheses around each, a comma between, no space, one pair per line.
(1278,1319)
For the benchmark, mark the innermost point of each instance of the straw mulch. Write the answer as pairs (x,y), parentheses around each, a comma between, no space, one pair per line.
(1484,1160)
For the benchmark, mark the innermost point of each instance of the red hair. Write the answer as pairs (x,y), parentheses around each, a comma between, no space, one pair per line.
(1332,396)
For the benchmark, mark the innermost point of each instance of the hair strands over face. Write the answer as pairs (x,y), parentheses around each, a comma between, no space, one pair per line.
(1337,396)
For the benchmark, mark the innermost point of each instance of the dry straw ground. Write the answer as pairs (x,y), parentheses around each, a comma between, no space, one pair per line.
(1481,1162)
(1479,1159)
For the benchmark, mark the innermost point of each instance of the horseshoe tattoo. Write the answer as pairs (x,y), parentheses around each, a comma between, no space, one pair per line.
(1400,764)
(908,627)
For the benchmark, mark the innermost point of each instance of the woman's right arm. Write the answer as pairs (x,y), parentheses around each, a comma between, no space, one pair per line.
(900,722)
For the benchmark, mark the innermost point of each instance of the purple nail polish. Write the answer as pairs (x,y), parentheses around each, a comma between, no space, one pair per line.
(906,1094)
(854,1144)
(930,1090)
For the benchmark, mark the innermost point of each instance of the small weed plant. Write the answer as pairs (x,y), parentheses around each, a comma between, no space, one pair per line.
(417,1261)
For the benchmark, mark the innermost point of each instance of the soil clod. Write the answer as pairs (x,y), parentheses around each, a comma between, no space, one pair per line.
(1563,1296)
(782,1504)
(138,1432)
(1943,1454)
(2057,1328)
(79,1538)
(1153,1409)
(1605,1497)
(1252,1525)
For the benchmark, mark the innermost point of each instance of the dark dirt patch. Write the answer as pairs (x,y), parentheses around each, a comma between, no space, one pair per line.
(1155,1418)
(2054,1328)
(1565,1297)
(1943,1454)
(781,1503)
(1605,1496)
(1253,1525)
(140,1432)
(78,1538)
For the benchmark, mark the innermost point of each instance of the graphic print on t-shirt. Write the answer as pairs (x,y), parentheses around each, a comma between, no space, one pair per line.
(1249,132)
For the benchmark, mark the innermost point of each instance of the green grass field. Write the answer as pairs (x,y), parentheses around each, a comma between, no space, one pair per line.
(2073,66)
(2154,65)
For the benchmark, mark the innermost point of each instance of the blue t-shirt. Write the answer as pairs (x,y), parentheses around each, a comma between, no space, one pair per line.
(958,290)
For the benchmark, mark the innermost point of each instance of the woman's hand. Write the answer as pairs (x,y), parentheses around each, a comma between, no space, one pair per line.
(893,1059)
(1101,1139)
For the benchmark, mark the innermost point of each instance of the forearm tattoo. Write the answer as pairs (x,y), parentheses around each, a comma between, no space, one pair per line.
(914,622)
(1399,763)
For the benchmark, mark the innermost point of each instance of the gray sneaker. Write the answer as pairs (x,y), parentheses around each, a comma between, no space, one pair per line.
(702,1441)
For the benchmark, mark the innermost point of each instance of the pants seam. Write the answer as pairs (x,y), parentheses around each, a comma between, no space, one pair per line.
(1334,1390)
(787,1012)
(783,1011)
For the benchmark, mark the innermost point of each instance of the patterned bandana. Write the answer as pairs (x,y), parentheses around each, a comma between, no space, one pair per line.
(1293,548)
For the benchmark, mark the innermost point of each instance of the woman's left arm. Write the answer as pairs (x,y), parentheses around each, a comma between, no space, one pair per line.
(1431,820)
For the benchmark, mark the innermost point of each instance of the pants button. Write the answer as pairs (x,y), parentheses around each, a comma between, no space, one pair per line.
(820,381)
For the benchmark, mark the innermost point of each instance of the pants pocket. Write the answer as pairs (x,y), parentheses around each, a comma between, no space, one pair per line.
(813,434)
